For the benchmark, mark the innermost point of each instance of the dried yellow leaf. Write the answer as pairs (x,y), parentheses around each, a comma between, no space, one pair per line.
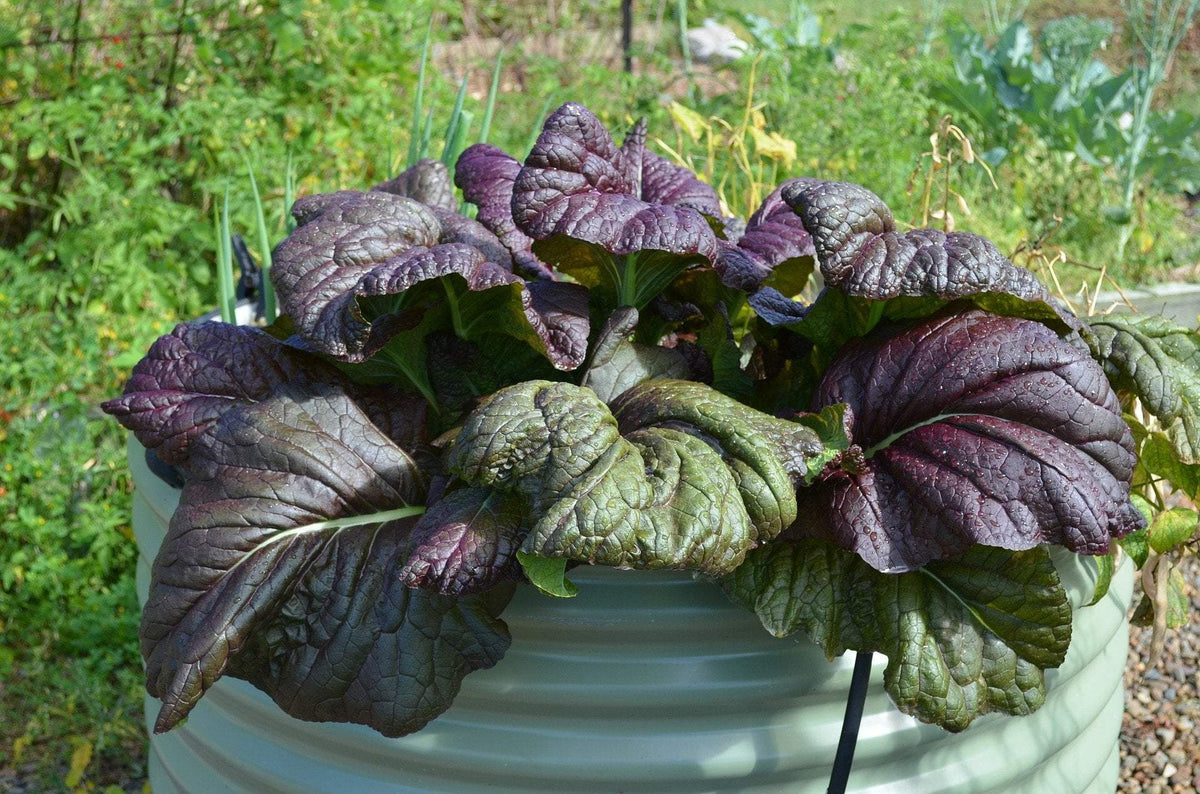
(774,146)
(691,122)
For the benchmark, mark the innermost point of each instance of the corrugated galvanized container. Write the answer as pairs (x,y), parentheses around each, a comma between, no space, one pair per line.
(652,682)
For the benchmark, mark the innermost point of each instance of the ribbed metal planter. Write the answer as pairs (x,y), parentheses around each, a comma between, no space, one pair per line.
(652,682)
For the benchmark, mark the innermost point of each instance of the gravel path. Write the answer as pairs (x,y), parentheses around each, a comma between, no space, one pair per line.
(1160,742)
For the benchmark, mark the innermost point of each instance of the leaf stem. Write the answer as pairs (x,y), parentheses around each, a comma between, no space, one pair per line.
(455,312)
(381,517)
(628,281)
(421,384)
(887,442)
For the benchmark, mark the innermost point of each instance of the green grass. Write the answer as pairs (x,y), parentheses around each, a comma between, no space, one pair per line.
(107,201)
(69,667)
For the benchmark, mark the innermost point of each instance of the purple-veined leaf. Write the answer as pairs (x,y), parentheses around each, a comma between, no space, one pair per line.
(486,174)
(862,254)
(426,181)
(348,276)
(774,250)
(466,543)
(974,428)
(628,219)
(599,211)
(194,374)
(280,568)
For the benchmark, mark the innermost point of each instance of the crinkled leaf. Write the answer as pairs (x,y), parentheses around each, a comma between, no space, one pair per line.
(1106,566)
(340,239)
(675,185)
(609,215)
(974,429)
(832,424)
(862,254)
(558,314)
(1157,458)
(280,568)
(486,174)
(619,364)
(577,183)
(465,543)
(1171,528)
(963,637)
(676,475)
(1136,544)
(348,276)
(548,574)
(626,220)
(1159,362)
(456,228)
(426,181)
(194,374)
(775,250)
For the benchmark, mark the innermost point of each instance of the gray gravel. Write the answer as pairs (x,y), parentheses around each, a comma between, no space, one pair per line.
(1160,741)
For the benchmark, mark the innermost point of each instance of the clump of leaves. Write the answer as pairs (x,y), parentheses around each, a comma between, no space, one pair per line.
(601,368)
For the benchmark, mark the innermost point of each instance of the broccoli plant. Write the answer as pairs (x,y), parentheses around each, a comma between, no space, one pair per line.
(603,368)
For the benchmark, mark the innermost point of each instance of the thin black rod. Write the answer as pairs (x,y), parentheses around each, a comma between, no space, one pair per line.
(855,701)
(627,34)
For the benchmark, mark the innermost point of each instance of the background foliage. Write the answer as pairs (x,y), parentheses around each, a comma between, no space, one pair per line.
(122,123)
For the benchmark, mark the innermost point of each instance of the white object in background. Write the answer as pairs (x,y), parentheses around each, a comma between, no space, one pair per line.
(715,43)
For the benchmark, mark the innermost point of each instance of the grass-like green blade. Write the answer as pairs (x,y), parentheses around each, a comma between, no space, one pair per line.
(456,144)
(415,147)
(424,143)
(681,9)
(289,195)
(264,247)
(227,296)
(537,126)
(453,129)
(491,99)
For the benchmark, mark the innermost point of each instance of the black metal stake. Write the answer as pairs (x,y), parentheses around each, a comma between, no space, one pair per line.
(855,701)
(627,34)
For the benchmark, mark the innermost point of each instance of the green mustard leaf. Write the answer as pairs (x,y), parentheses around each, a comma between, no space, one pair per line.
(548,574)
(619,364)
(963,636)
(1170,528)
(1159,362)
(830,425)
(674,475)
(1106,566)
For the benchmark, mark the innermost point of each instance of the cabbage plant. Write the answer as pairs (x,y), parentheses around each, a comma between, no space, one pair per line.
(602,367)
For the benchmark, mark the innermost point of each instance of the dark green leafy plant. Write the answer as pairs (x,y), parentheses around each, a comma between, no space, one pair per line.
(1072,101)
(603,368)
